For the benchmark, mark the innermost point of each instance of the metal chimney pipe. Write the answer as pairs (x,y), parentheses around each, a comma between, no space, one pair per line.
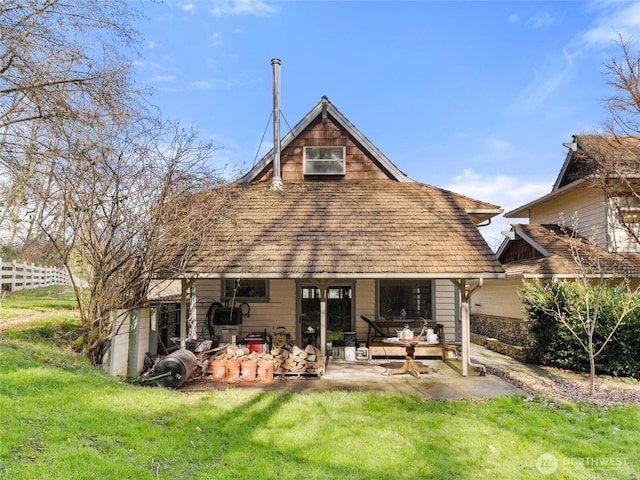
(276,183)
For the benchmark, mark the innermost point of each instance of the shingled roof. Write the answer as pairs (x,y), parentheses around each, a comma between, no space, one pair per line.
(589,153)
(550,254)
(347,228)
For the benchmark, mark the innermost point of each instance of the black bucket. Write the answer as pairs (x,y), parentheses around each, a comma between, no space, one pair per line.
(178,367)
(227,316)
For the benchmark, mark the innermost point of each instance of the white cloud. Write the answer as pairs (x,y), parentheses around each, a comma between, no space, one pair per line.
(545,82)
(163,78)
(151,44)
(502,190)
(188,7)
(514,18)
(612,18)
(201,85)
(507,191)
(498,144)
(543,19)
(606,28)
(241,7)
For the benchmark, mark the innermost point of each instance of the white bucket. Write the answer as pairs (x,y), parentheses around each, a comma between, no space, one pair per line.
(350,354)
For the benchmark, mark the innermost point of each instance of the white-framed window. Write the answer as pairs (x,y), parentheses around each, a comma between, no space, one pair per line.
(324,160)
(629,209)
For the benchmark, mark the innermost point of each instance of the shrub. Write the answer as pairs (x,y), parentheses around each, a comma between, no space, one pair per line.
(555,345)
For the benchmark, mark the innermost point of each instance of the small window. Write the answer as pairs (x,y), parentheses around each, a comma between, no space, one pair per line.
(324,160)
(246,290)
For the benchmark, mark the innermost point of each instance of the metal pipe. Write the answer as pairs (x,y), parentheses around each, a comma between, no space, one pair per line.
(276,183)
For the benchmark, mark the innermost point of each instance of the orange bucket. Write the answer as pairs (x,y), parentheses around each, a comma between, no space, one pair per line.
(218,370)
(265,371)
(248,370)
(233,370)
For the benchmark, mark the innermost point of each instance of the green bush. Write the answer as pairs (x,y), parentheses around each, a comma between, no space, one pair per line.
(555,345)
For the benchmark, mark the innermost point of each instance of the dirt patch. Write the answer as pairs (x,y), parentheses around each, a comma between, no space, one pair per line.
(557,386)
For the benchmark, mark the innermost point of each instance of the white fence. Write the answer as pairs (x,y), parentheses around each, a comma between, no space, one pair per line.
(17,276)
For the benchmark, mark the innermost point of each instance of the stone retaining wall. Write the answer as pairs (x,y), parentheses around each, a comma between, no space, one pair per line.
(509,336)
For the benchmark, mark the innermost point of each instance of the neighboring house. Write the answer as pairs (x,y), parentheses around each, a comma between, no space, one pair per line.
(578,206)
(348,234)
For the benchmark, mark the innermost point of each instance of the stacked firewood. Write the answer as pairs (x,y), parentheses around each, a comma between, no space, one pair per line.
(309,360)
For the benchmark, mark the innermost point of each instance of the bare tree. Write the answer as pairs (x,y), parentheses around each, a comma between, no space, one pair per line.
(59,59)
(86,167)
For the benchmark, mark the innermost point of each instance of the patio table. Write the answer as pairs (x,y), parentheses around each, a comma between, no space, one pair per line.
(410,364)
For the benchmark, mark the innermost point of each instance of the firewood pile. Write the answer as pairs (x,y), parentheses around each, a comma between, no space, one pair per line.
(297,361)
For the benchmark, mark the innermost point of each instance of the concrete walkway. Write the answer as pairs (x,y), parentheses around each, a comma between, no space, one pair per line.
(445,383)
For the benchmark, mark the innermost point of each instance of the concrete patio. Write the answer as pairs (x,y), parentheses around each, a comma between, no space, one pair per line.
(445,383)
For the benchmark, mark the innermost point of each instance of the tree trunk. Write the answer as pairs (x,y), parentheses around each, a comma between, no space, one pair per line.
(592,368)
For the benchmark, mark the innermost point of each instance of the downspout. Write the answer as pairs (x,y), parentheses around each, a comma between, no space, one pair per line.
(276,183)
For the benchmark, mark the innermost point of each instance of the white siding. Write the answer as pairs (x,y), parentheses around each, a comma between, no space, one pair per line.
(590,204)
(446,308)
(280,311)
(365,300)
(498,298)
(622,241)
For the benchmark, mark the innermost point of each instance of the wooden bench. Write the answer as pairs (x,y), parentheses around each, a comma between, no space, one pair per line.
(380,330)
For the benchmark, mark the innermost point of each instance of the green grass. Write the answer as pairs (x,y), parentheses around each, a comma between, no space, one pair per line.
(36,301)
(60,417)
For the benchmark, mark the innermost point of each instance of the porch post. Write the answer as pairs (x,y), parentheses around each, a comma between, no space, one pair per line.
(193,328)
(465,318)
(323,286)
(466,330)
(185,284)
(323,321)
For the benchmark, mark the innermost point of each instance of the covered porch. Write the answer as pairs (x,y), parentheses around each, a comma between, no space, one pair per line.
(464,289)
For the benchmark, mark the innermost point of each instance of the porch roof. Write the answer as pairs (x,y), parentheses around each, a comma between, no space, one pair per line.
(346,229)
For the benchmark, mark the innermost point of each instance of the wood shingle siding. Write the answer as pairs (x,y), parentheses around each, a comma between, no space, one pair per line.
(361,164)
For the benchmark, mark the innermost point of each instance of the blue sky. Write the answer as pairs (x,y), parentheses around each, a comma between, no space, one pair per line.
(476,97)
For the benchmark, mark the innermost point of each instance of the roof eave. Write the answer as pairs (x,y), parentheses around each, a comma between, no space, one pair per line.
(480,215)
(355,276)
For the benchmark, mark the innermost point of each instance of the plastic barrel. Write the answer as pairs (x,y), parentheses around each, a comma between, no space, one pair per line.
(178,366)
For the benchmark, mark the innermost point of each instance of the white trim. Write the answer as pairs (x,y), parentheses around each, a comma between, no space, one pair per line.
(307,163)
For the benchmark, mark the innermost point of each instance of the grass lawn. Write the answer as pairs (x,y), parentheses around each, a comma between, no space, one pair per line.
(62,418)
